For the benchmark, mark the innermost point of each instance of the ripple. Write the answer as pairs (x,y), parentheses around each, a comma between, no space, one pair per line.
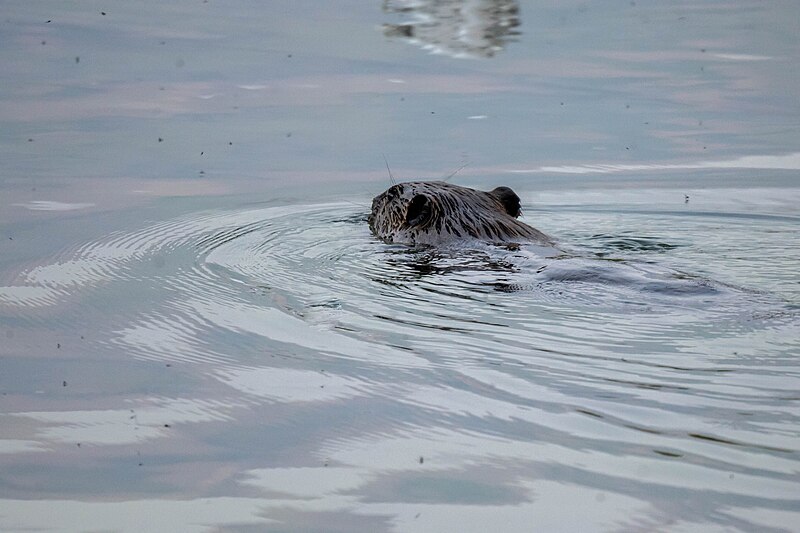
(290,385)
(614,361)
(50,205)
(123,426)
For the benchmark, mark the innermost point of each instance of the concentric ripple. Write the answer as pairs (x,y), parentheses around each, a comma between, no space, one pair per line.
(607,363)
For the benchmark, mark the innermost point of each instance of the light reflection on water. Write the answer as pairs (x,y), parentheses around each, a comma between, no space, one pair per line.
(176,357)
(414,384)
(457,28)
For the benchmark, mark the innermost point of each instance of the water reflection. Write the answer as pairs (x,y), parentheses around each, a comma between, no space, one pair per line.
(458,28)
(192,515)
(267,365)
(290,385)
(789,161)
(344,381)
(133,424)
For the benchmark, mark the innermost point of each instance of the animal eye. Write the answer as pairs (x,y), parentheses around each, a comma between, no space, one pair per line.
(394,191)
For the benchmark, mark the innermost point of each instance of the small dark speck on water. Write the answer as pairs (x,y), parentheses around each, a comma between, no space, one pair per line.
(290,55)
(30,140)
(230,143)
(48,22)
(202,172)
(201,153)
(160,139)
(44,43)
(79,445)
(103,13)
(58,345)
(288,134)
(168,365)
(77,59)
(421,459)
(166,425)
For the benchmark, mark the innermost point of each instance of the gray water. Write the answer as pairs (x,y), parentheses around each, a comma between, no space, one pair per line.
(199,333)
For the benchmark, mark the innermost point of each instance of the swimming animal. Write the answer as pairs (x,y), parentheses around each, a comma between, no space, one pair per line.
(436,212)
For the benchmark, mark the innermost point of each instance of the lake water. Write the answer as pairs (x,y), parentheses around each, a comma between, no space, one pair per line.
(199,333)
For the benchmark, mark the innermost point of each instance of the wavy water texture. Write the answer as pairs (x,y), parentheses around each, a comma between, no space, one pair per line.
(426,389)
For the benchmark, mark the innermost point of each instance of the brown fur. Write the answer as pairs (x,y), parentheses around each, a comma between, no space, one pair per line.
(435,212)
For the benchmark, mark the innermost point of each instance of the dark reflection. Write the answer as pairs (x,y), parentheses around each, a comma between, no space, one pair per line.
(730,442)
(631,243)
(639,277)
(227,235)
(357,218)
(500,269)
(456,273)
(406,265)
(458,28)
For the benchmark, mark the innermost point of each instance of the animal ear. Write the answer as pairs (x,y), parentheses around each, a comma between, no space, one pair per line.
(419,210)
(508,199)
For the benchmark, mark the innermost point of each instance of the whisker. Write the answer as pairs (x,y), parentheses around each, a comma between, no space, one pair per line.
(391,178)
(357,204)
(456,171)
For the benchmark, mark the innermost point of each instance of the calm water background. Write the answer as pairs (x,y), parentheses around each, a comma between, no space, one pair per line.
(198,333)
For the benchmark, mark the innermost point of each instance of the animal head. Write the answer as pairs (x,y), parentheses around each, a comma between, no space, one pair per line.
(435,212)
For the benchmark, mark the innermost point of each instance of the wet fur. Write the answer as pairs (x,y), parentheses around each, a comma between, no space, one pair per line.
(435,212)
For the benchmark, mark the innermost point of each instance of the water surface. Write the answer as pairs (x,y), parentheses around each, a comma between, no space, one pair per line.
(198,332)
